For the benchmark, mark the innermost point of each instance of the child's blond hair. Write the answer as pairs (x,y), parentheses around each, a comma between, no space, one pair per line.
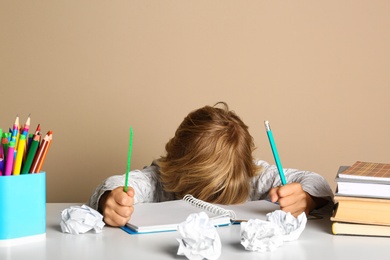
(210,157)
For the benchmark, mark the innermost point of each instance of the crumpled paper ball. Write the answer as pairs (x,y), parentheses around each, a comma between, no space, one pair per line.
(200,239)
(291,227)
(260,236)
(81,219)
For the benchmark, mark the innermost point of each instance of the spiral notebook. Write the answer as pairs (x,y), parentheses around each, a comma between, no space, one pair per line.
(166,216)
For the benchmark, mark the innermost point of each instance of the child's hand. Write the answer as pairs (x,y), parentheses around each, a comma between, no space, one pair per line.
(292,198)
(117,206)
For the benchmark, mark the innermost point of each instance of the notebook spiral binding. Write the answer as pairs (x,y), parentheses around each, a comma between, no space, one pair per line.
(209,207)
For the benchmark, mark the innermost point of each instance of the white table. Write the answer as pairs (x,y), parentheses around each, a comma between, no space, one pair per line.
(316,242)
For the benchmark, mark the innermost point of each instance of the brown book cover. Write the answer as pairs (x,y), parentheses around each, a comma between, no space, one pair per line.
(362,210)
(367,171)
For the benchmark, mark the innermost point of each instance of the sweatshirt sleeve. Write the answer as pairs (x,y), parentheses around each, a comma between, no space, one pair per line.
(311,182)
(144,183)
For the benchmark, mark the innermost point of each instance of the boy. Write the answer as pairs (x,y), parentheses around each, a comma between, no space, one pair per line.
(210,157)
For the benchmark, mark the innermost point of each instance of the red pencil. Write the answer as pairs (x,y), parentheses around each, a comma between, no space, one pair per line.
(38,130)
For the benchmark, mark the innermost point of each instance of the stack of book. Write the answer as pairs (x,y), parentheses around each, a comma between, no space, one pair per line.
(363,200)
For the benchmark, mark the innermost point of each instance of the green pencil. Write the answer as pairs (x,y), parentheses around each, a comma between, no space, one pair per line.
(125,189)
(5,143)
(30,155)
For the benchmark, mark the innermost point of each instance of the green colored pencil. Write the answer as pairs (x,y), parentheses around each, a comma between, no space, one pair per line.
(125,189)
(30,155)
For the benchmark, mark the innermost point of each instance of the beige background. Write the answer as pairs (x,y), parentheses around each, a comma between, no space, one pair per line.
(88,70)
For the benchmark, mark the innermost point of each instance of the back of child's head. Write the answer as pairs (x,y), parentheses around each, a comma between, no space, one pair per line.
(210,157)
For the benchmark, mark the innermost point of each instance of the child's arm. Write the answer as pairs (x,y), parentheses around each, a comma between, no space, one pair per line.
(304,191)
(292,198)
(117,206)
(144,184)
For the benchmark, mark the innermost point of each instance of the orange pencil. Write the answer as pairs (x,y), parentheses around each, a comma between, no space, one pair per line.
(41,154)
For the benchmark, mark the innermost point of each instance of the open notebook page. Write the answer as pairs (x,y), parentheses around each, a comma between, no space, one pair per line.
(165,216)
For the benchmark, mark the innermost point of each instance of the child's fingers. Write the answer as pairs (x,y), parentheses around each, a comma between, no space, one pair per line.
(118,206)
(117,215)
(289,189)
(123,198)
(130,192)
(292,199)
(112,218)
(124,212)
(273,194)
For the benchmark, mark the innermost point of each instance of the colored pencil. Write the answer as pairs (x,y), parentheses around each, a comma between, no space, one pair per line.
(275,153)
(15,131)
(1,166)
(31,154)
(4,144)
(1,145)
(129,152)
(15,128)
(41,153)
(38,130)
(19,155)
(10,159)
(26,126)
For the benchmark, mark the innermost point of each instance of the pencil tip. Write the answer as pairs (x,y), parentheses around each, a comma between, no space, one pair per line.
(17,120)
(266,123)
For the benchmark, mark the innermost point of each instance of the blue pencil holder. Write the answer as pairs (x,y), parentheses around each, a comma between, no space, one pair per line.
(22,208)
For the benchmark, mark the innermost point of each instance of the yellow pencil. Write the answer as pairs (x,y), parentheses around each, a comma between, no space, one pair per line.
(19,154)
